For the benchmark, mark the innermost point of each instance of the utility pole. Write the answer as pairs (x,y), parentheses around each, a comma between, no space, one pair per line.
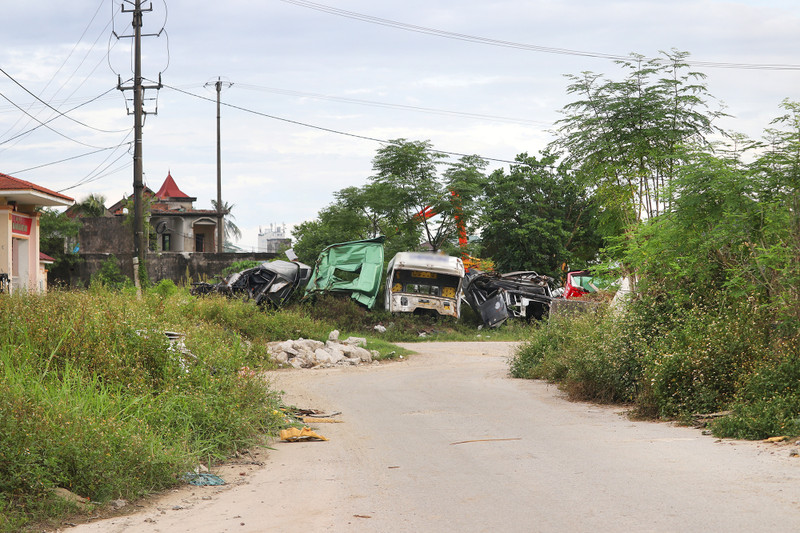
(220,229)
(140,239)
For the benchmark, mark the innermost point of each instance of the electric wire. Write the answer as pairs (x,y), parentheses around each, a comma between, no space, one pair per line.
(65,159)
(54,118)
(45,125)
(330,130)
(89,177)
(510,44)
(445,112)
(10,77)
(63,63)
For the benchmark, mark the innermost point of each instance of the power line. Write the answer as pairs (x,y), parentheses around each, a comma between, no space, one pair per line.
(330,130)
(510,44)
(53,118)
(7,75)
(287,92)
(66,159)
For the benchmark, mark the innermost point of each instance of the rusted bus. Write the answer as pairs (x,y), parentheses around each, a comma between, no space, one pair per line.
(420,283)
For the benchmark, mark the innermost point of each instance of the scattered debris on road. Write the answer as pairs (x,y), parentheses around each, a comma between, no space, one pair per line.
(296,434)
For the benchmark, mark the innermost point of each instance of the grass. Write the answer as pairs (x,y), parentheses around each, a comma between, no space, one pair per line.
(674,362)
(94,398)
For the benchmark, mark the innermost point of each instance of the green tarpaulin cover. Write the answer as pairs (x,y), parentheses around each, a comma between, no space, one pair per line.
(353,267)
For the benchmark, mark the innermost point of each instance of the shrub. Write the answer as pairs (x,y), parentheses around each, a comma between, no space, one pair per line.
(110,275)
(768,403)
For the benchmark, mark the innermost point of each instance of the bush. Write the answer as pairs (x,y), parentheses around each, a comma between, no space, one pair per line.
(94,398)
(768,403)
(110,275)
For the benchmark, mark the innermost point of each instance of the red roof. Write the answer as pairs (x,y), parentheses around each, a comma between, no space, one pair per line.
(7,183)
(45,258)
(170,189)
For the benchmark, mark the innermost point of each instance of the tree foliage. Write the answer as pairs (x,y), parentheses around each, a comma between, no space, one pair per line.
(537,217)
(627,139)
(408,200)
(56,233)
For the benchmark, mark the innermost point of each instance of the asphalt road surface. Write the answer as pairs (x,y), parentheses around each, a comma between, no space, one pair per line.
(445,441)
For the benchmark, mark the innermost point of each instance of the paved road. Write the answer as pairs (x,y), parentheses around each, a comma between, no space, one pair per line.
(445,441)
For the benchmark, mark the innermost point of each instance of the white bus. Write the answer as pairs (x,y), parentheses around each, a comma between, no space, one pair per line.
(424,283)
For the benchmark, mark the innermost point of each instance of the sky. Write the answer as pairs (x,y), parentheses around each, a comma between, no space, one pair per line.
(311,88)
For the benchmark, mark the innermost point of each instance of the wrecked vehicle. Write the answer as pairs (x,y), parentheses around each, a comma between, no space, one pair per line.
(270,283)
(497,297)
(353,268)
(580,283)
(424,283)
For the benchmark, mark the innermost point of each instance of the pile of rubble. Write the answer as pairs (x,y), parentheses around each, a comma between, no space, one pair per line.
(308,353)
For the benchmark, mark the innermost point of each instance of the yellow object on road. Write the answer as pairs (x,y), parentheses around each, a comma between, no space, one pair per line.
(295,434)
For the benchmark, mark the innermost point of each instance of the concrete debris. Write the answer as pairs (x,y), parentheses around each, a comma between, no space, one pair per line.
(307,353)
(380,328)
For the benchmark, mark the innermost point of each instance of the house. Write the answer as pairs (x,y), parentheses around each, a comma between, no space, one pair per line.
(176,226)
(21,265)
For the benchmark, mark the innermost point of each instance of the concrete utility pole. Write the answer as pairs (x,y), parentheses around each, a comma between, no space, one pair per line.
(139,237)
(220,214)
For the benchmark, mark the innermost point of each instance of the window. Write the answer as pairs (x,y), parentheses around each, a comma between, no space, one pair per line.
(199,240)
(165,242)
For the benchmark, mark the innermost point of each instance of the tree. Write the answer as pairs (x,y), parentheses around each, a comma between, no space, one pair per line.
(230,227)
(91,206)
(628,139)
(335,223)
(538,217)
(407,201)
(56,232)
(422,198)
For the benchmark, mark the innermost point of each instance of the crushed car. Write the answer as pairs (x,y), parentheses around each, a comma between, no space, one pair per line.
(353,268)
(270,283)
(424,283)
(498,297)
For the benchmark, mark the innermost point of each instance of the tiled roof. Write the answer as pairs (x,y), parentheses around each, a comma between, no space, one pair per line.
(7,183)
(170,189)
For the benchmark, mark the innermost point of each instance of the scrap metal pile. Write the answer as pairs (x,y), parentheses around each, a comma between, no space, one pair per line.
(415,283)
(496,297)
(269,283)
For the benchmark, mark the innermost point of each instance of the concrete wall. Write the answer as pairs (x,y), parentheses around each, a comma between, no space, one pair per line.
(176,266)
(108,235)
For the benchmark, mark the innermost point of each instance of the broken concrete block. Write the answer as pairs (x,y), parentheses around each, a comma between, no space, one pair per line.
(355,341)
(321,356)
(334,335)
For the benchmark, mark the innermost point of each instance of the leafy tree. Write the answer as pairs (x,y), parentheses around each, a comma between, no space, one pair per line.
(230,227)
(537,217)
(91,206)
(627,139)
(335,223)
(56,232)
(421,197)
(407,201)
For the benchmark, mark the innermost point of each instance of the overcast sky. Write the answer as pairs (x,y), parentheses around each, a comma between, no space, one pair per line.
(310,80)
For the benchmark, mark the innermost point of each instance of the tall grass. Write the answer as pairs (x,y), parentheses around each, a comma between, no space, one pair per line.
(675,362)
(95,399)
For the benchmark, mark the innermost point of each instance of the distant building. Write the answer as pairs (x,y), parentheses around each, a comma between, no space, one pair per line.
(273,239)
(176,225)
(22,265)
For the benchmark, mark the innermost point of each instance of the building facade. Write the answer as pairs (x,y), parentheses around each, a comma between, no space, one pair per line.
(21,265)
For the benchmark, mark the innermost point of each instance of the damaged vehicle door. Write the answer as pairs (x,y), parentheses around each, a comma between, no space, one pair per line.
(424,283)
(353,268)
(496,297)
